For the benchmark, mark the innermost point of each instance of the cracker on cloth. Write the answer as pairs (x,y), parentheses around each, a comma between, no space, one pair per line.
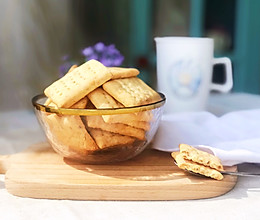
(78,83)
(131,91)
(195,167)
(105,139)
(200,157)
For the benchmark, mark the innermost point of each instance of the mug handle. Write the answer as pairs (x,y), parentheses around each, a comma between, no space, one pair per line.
(227,86)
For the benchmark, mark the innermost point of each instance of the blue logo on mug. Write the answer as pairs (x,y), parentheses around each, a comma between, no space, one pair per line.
(184,78)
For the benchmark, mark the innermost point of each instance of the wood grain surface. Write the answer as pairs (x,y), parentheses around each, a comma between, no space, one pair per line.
(39,172)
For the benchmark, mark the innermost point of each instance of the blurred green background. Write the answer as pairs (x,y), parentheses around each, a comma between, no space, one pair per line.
(35,35)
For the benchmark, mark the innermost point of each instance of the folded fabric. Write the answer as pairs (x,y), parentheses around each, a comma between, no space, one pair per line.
(233,137)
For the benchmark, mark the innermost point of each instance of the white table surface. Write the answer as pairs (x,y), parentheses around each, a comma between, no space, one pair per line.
(19,129)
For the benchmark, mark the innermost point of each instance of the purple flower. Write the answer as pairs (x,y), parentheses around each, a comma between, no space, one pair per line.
(99,47)
(87,51)
(111,48)
(108,55)
(93,57)
(106,61)
(118,61)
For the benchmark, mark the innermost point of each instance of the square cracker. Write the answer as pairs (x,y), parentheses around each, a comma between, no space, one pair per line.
(138,120)
(69,131)
(101,99)
(48,101)
(81,104)
(200,157)
(105,139)
(118,128)
(135,123)
(131,91)
(120,72)
(78,83)
(195,167)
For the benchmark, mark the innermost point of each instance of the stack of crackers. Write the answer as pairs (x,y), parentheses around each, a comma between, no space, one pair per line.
(94,86)
(197,161)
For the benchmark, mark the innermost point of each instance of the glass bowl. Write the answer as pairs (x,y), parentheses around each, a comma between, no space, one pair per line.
(99,136)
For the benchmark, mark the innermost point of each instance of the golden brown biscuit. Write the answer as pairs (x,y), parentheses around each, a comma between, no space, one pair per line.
(78,83)
(120,72)
(48,101)
(72,68)
(195,167)
(136,124)
(105,139)
(81,104)
(118,128)
(200,157)
(69,131)
(131,91)
(102,100)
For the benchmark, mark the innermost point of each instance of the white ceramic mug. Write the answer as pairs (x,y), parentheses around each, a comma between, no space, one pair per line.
(184,72)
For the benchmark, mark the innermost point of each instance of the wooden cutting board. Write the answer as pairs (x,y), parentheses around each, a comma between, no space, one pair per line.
(39,172)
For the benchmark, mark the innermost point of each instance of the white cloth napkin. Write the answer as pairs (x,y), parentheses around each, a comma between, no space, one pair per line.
(233,137)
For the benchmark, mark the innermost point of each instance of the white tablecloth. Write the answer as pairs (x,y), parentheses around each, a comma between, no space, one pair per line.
(20,129)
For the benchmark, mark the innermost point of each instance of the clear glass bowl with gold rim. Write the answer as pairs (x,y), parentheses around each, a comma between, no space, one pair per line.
(99,136)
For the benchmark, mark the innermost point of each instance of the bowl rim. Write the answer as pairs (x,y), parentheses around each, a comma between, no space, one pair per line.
(101,111)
